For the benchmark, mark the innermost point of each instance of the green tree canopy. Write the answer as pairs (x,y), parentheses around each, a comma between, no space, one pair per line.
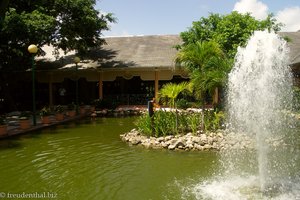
(229,31)
(65,24)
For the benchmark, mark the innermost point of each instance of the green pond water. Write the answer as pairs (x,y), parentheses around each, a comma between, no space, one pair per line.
(87,160)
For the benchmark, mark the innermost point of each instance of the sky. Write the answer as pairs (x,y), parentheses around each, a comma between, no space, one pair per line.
(161,17)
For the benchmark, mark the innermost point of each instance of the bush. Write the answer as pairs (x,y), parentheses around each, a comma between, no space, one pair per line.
(171,123)
(213,120)
(182,103)
(168,123)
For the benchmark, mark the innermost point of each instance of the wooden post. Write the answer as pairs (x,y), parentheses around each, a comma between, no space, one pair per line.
(100,85)
(51,90)
(216,96)
(156,85)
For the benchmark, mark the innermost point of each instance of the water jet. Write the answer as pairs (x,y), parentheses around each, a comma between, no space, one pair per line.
(259,103)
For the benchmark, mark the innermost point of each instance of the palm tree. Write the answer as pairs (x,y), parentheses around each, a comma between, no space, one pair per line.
(197,55)
(213,77)
(170,92)
(207,65)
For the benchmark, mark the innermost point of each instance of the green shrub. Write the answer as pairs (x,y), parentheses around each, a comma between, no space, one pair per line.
(194,121)
(144,124)
(165,123)
(171,123)
(213,120)
(182,103)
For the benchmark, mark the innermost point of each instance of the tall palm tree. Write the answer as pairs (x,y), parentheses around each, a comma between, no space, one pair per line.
(213,77)
(197,55)
(207,66)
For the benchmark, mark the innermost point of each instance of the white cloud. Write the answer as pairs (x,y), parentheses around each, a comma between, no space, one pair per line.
(257,9)
(290,18)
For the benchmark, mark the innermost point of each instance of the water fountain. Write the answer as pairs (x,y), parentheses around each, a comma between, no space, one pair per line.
(259,104)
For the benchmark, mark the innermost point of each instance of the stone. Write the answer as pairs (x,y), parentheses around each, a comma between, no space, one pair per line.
(160,139)
(135,141)
(164,144)
(207,147)
(169,137)
(171,147)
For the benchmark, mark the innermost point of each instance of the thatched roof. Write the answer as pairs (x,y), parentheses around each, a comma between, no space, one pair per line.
(156,51)
(294,44)
(138,52)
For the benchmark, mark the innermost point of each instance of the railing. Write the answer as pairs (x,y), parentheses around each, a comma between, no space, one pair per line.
(129,99)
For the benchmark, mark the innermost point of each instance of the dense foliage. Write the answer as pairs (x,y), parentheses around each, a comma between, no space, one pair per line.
(229,31)
(65,24)
(165,123)
(170,91)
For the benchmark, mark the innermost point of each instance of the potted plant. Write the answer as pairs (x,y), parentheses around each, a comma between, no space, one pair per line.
(45,113)
(3,126)
(71,109)
(82,109)
(59,112)
(24,120)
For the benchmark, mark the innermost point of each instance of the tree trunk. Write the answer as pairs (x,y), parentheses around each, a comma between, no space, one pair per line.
(202,117)
(216,96)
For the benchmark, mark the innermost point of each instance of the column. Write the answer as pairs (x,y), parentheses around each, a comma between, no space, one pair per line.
(51,90)
(100,87)
(156,85)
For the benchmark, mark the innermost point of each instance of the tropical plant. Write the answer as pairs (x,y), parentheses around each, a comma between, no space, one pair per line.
(45,111)
(59,109)
(214,120)
(202,59)
(213,77)
(194,122)
(163,123)
(170,91)
(144,124)
(196,55)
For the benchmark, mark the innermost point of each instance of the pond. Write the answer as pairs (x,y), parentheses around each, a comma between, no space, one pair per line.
(87,160)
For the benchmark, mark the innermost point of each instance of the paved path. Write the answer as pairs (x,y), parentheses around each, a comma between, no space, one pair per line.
(14,129)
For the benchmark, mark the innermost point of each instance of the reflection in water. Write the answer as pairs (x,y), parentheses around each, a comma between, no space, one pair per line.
(89,161)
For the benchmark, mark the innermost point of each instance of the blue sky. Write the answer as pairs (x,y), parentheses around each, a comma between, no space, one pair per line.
(157,17)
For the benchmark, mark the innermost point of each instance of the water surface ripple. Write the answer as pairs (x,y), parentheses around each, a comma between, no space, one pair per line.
(89,161)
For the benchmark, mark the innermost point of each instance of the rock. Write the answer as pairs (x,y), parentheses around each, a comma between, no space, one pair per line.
(189,135)
(173,141)
(198,147)
(169,137)
(210,140)
(136,141)
(171,147)
(220,140)
(207,147)
(164,144)
(189,146)
(196,140)
(203,138)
